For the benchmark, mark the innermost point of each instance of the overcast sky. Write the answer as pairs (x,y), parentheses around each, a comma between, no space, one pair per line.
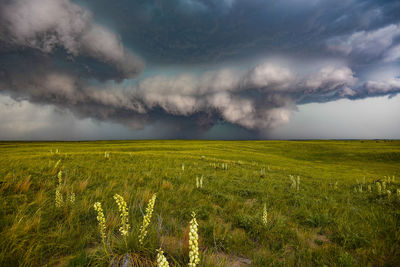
(227,69)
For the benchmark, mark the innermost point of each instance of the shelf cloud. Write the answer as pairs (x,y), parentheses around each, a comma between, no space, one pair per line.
(90,57)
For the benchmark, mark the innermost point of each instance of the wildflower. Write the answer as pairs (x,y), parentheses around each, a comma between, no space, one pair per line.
(389,193)
(193,242)
(265,215)
(183,167)
(199,182)
(59,197)
(225,166)
(59,175)
(161,260)
(398,193)
(384,185)
(72,198)
(379,188)
(369,188)
(147,218)
(123,214)
(293,181)
(102,223)
(335,186)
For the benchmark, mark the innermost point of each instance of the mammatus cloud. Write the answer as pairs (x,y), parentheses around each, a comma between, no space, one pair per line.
(50,24)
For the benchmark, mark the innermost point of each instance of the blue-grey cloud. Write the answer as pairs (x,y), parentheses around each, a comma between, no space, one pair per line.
(48,24)
(246,63)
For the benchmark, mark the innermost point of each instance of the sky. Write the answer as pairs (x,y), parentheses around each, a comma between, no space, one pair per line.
(199,69)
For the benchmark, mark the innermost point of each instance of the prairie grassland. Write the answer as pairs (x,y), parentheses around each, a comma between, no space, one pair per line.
(248,210)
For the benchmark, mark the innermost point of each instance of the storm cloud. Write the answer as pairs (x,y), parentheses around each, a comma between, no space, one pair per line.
(244,68)
(48,24)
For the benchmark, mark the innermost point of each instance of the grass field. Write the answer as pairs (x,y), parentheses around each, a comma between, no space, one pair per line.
(335,216)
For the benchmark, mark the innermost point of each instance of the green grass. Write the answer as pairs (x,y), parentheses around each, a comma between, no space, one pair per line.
(317,225)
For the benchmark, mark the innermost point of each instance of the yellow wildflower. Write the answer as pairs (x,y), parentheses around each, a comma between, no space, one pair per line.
(101,220)
(161,260)
(72,197)
(147,218)
(265,215)
(123,214)
(59,197)
(193,243)
(59,175)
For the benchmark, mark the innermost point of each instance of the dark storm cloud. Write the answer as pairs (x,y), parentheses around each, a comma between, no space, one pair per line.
(83,56)
(202,30)
(46,25)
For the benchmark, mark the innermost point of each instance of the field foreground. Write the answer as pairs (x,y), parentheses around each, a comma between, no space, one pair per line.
(258,203)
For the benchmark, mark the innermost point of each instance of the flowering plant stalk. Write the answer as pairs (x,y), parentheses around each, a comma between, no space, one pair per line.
(59,175)
(379,188)
(59,197)
(293,185)
(72,198)
(265,215)
(102,223)
(124,216)
(161,260)
(147,218)
(194,259)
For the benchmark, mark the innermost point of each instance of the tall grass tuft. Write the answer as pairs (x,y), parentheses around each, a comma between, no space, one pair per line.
(57,164)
